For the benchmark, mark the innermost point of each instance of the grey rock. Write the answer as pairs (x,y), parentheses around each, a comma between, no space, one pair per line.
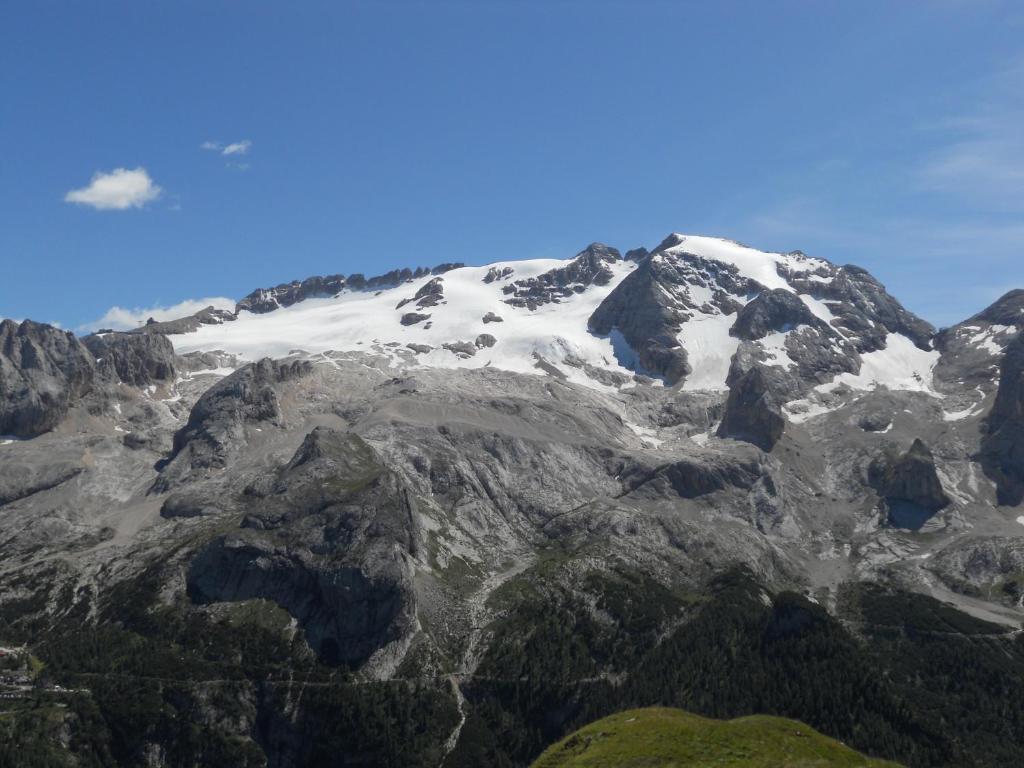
(693,476)
(1008,309)
(865,311)
(875,421)
(136,359)
(411,318)
(909,484)
(330,546)
(284,295)
(485,340)
(206,316)
(461,348)
(490,317)
(420,349)
(494,273)
(21,479)
(188,505)
(636,254)
(43,372)
(776,310)
(216,427)
(602,375)
(588,267)
(430,294)
(751,412)
(1002,443)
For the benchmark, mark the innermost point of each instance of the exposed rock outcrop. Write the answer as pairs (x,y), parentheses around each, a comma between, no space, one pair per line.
(864,310)
(588,267)
(751,412)
(909,485)
(43,371)
(1002,442)
(330,544)
(284,295)
(216,427)
(21,479)
(411,318)
(777,310)
(649,325)
(495,273)
(206,316)
(461,348)
(693,476)
(430,294)
(138,359)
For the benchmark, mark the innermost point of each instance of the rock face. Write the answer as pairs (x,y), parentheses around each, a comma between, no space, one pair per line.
(429,295)
(1002,443)
(588,267)
(138,359)
(777,310)
(864,310)
(1008,310)
(751,413)
(216,427)
(972,351)
(284,295)
(329,543)
(637,310)
(496,273)
(21,480)
(411,318)
(909,485)
(206,316)
(462,348)
(43,371)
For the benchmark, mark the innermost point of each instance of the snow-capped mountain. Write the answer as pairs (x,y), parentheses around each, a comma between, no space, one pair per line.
(429,475)
(679,314)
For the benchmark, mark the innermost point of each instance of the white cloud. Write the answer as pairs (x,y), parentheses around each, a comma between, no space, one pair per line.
(235,148)
(121,319)
(116,191)
(238,148)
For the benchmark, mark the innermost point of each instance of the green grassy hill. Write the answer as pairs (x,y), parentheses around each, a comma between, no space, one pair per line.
(671,738)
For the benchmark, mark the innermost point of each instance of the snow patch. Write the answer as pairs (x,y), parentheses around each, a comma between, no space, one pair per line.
(354,318)
(709,350)
(901,365)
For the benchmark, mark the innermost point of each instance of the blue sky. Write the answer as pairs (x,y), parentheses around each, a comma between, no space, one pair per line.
(366,136)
